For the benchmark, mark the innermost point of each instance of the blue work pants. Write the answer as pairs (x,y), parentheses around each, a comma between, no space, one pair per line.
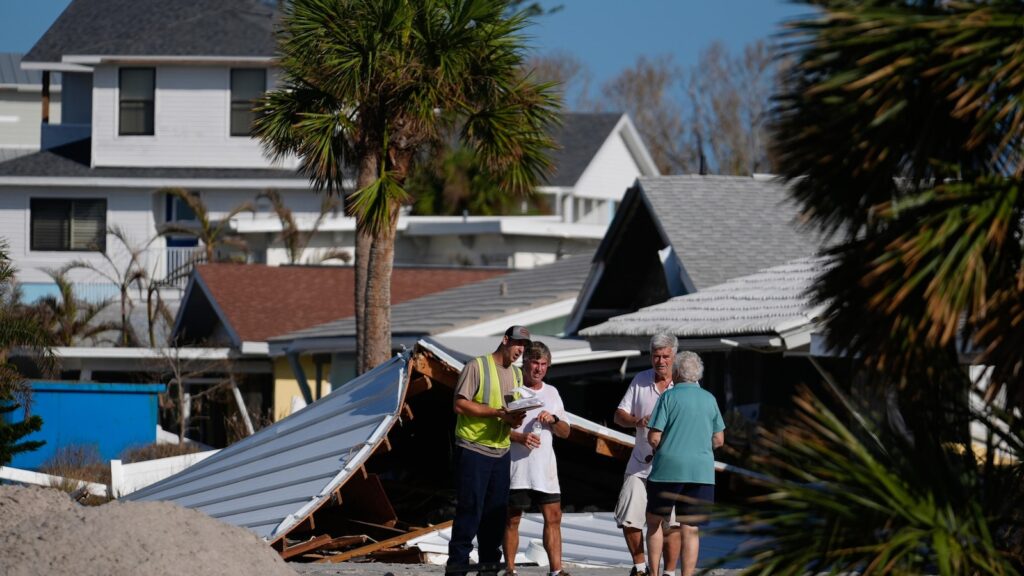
(481,490)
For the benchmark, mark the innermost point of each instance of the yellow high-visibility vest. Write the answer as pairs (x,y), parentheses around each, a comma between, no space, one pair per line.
(491,432)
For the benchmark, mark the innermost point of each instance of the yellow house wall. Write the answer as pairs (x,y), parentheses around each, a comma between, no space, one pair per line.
(286,385)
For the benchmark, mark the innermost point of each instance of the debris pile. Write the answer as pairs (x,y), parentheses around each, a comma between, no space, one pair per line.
(44,532)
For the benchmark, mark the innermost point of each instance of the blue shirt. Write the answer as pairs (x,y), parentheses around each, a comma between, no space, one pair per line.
(688,416)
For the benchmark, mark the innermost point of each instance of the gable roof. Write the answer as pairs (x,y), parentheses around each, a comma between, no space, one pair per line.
(254,302)
(774,302)
(241,28)
(721,227)
(443,311)
(579,138)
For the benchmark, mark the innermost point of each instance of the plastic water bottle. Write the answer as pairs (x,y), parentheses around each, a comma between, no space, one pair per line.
(537,427)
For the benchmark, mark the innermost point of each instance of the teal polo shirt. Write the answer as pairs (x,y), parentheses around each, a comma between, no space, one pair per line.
(687,416)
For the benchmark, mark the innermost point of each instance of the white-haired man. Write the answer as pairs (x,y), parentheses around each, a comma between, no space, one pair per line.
(685,429)
(634,411)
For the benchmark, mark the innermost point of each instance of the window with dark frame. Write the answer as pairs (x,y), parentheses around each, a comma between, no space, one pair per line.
(68,225)
(247,84)
(136,101)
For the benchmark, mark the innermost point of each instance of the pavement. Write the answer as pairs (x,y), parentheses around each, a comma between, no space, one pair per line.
(380,569)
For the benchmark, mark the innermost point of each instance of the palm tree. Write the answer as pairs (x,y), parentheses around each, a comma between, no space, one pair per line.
(215,235)
(126,270)
(296,240)
(900,129)
(369,83)
(69,318)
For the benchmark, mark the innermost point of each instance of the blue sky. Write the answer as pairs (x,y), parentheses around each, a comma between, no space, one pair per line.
(606,35)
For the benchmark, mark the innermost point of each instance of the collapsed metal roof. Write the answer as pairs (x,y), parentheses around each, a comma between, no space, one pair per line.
(274,479)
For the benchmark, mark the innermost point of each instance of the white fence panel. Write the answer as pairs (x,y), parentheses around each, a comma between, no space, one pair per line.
(127,478)
(39,479)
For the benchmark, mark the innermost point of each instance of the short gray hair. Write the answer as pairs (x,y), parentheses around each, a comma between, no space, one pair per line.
(688,367)
(664,340)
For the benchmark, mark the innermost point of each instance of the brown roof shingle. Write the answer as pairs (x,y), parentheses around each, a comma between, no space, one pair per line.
(262,301)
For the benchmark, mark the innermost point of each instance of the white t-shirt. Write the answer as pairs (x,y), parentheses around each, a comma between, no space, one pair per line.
(536,469)
(639,401)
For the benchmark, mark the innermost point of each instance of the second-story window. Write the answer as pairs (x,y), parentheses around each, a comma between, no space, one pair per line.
(137,89)
(247,84)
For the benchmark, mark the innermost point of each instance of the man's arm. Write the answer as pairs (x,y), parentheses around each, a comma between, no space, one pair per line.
(627,420)
(717,439)
(654,437)
(468,407)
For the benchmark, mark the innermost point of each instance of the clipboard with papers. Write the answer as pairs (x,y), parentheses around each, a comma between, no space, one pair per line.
(528,400)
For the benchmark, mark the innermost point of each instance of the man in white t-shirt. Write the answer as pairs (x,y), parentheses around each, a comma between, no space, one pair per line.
(534,472)
(635,411)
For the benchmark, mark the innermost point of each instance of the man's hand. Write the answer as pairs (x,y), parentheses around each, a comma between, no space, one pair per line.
(546,417)
(513,419)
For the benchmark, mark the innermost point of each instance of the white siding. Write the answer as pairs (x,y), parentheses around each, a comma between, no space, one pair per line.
(131,210)
(192,111)
(21,115)
(612,170)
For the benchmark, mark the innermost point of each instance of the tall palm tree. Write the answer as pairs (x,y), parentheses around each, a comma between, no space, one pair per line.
(369,83)
(900,129)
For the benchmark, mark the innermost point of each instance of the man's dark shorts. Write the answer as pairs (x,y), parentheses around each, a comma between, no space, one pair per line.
(523,498)
(692,501)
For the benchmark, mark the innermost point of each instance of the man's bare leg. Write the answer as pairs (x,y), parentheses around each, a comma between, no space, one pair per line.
(552,513)
(634,543)
(654,543)
(673,542)
(691,547)
(512,538)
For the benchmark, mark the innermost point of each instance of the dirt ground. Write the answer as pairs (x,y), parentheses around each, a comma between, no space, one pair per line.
(374,569)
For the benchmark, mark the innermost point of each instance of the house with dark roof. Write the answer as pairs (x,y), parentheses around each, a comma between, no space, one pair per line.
(676,235)
(161,98)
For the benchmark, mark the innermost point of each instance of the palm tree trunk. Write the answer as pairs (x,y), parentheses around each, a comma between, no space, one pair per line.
(378,295)
(364,242)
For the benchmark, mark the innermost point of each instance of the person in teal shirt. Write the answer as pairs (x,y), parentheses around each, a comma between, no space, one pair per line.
(685,429)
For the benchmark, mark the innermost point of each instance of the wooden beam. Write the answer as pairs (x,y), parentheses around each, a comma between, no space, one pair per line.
(307,524)
(46,97)
(419,385)
(407,412)
(435,370)
(384,544)
(342,542)
(307,546)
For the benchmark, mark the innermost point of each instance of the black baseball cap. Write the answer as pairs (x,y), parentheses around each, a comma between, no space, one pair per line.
(518,333)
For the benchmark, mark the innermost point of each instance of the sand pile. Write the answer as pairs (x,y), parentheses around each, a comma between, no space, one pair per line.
(42,531)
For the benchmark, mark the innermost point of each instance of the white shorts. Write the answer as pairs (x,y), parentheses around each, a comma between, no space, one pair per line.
(631,509)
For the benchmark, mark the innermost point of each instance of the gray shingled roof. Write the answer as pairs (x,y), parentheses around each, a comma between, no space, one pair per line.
(72,161)
(471,303)
(579,137)
(722,227)
(160,28)
(770,302)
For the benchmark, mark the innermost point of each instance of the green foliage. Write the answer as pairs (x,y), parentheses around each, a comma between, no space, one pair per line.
(215,235)
(12,432)
(69,318)
(842,495)
(900,130)
(453,183)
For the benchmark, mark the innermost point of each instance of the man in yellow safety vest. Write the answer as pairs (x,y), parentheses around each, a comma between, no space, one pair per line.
(482,460)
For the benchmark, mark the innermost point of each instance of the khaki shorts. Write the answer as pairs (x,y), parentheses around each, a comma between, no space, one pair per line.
(631,509)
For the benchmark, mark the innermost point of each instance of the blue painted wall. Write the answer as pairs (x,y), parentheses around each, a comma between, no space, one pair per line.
(110,416)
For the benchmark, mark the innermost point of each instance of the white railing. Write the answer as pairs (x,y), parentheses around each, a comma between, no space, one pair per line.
(179,262)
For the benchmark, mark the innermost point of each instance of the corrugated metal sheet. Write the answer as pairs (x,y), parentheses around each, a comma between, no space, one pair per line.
(588,539)
(769,302)
(272,480)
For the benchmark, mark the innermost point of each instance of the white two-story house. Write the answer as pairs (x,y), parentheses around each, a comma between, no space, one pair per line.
(158,94)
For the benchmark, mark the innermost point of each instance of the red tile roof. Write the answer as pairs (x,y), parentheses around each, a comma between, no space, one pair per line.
(262,301)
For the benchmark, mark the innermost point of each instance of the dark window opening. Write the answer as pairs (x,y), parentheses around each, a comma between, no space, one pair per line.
(136,98)
(247,85)
(68,225)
